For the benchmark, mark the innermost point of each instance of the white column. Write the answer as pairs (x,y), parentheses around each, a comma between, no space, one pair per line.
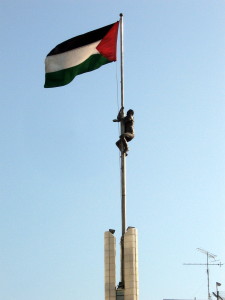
(131,291)
(110,265)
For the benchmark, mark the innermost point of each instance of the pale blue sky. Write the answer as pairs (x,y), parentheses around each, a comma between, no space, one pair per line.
(59,175)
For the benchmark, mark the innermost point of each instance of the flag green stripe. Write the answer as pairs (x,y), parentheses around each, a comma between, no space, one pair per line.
(63,77)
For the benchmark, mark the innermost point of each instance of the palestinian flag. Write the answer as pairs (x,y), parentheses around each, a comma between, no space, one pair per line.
(83,53)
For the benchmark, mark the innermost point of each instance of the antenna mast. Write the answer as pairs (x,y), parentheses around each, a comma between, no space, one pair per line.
(208,255)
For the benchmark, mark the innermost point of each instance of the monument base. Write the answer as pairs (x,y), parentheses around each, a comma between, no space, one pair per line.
(129,289)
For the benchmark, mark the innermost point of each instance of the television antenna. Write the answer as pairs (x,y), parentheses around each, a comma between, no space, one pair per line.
(217,296)
(209,255)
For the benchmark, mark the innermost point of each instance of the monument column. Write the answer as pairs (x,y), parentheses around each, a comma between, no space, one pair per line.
(110,265)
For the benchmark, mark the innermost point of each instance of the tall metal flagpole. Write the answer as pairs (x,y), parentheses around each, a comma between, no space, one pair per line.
(123,157)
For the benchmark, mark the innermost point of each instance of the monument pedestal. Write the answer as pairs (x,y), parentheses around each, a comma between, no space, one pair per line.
(130,288)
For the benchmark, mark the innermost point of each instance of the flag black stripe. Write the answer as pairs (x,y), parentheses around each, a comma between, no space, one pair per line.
(81,40)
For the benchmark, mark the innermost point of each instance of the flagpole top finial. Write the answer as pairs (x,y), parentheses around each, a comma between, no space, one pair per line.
(121,15)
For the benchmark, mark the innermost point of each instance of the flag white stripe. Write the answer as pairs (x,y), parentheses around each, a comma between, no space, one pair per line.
(70,58)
